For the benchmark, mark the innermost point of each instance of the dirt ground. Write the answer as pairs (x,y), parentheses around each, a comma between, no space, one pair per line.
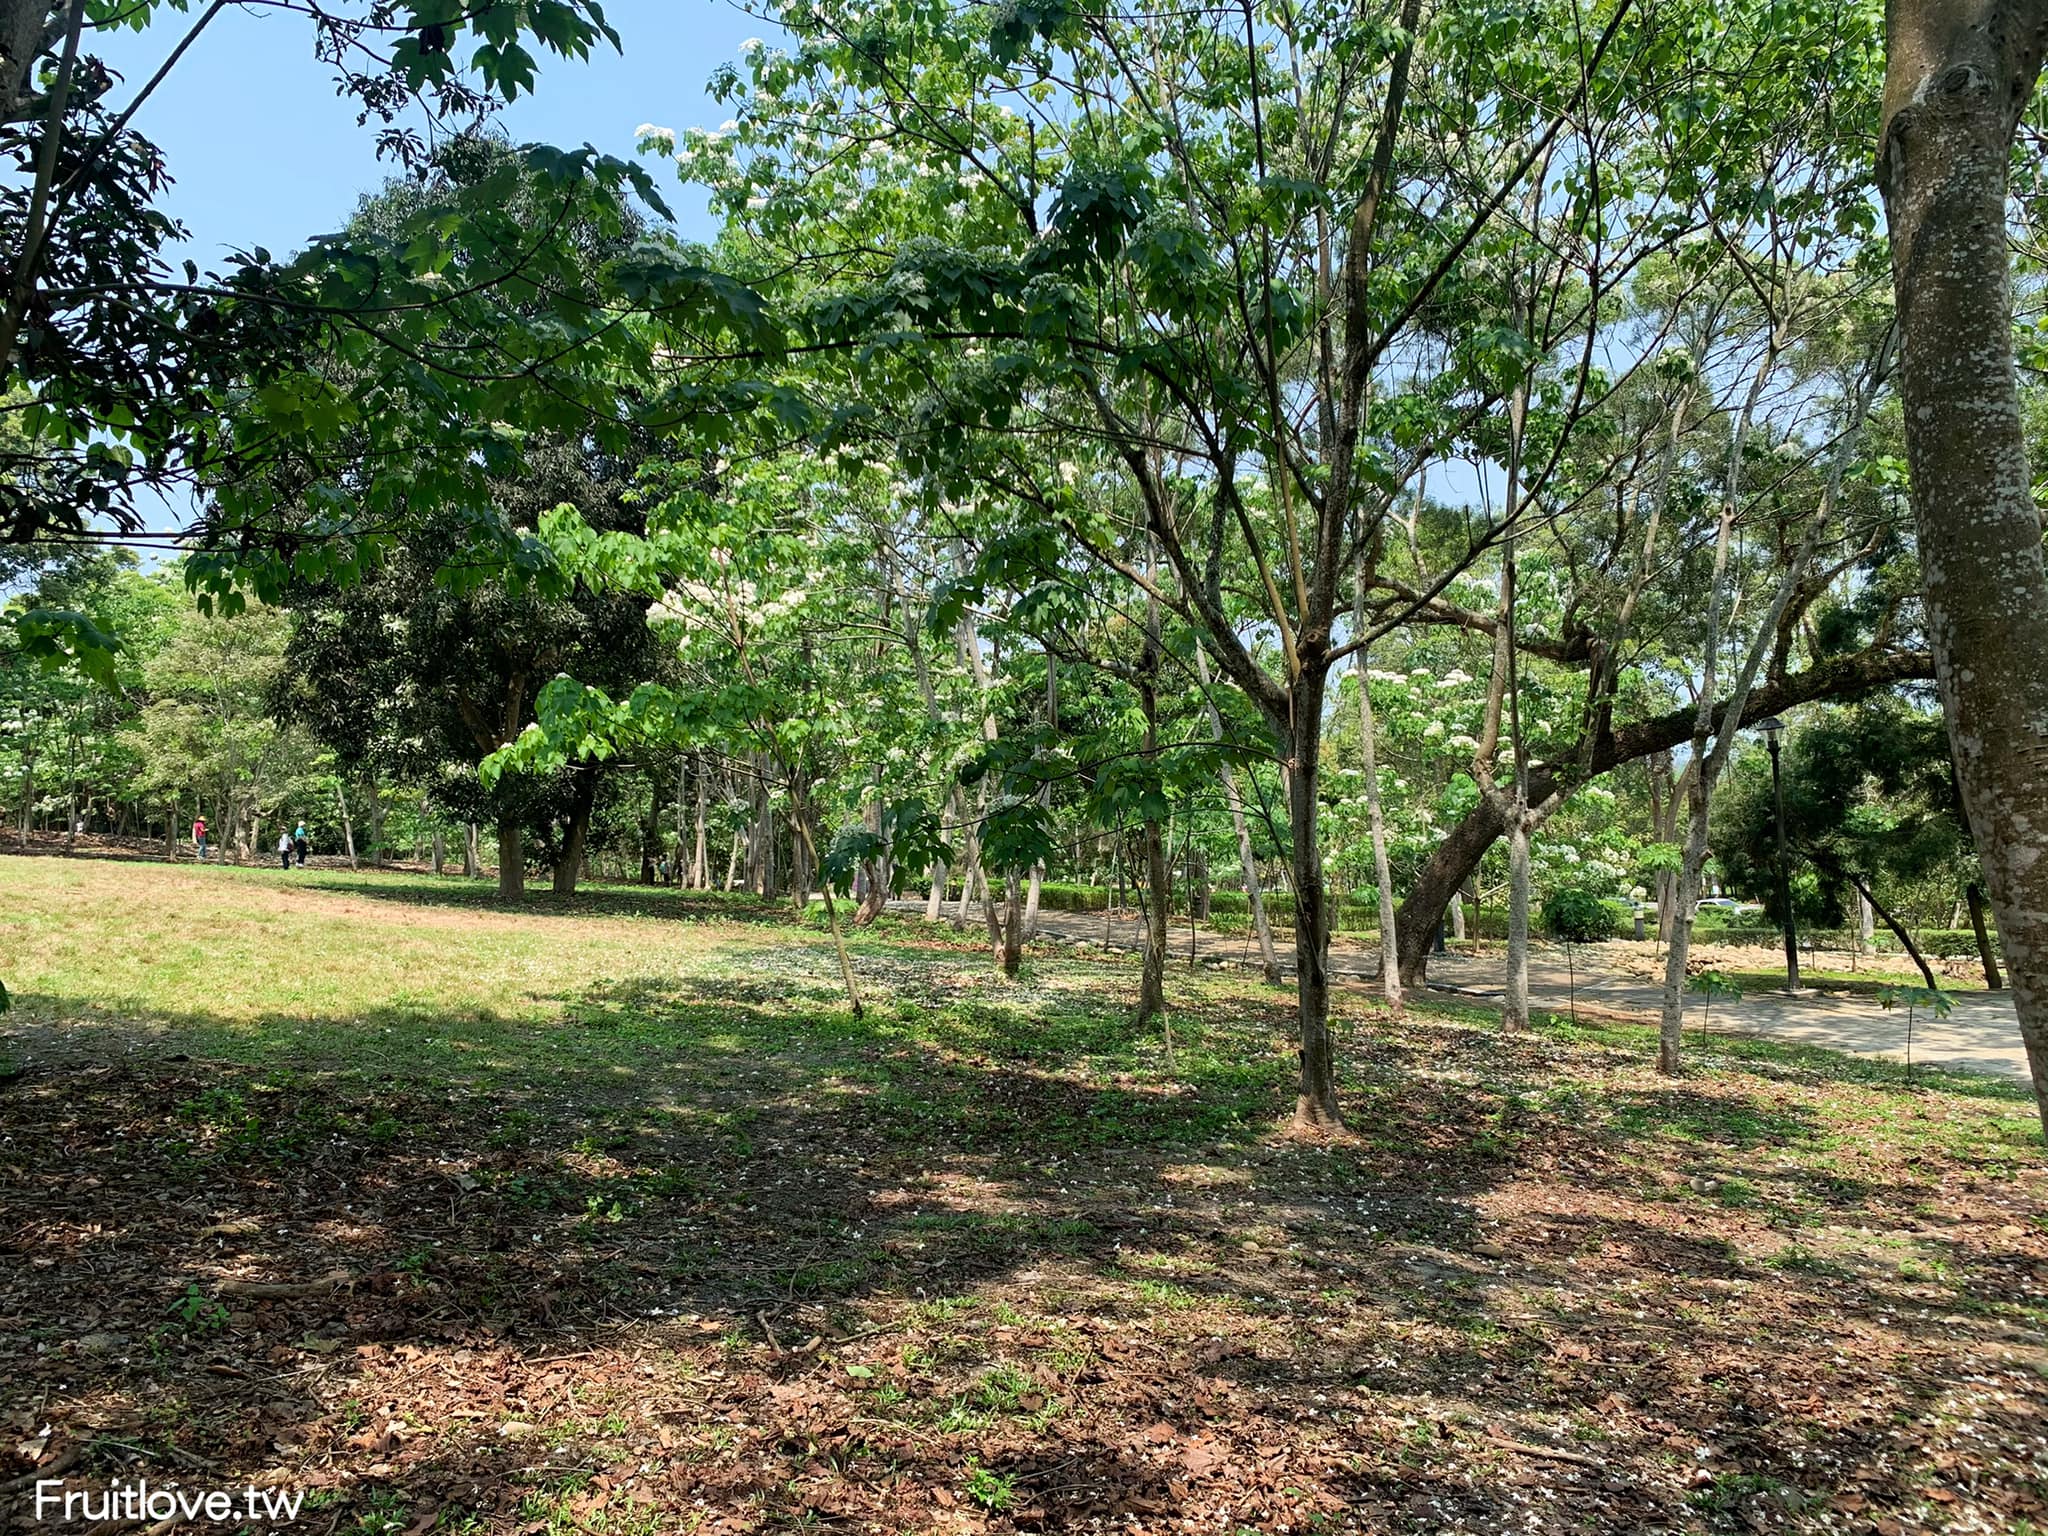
(696,1250)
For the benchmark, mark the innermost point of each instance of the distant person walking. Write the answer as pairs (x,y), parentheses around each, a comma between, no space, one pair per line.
(299,844)
(284,849)
(199,837)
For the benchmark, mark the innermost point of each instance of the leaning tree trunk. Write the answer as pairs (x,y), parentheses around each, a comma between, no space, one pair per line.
(1959,75)
(1456,858)
(1899,930)
(1987,955)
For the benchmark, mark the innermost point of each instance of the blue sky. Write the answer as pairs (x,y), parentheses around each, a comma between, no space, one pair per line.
(265,153)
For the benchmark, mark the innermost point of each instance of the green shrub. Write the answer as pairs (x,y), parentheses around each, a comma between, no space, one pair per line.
(1578,916)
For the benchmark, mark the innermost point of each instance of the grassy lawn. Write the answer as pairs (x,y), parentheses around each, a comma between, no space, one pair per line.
(608,1216)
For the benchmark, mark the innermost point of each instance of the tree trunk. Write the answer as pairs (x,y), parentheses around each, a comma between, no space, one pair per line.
(700,852)
(1382,870)
(799,833)
(1254,898)
(348,831)
(471,865)
(1986,955)
(991,916)
(1152,979)
(1959,75)
(1899,930)
(1457,856)
(956,807)
(577,837)
(1457,915)
(1705,767)
(1664,829)
(376,823)
(1515,1007)
(970,868)
(1052,725)
(511,859)
(1316,1104)
(1685,898)
(675,869)
(440,850)
(1013,926)
(1454,861)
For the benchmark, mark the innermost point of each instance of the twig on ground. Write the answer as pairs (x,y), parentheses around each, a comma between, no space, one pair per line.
(63,1463)
(1544,1451)
(265,1290)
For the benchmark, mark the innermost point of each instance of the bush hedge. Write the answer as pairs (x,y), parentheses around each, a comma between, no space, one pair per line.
(1942,943)
(1357,915)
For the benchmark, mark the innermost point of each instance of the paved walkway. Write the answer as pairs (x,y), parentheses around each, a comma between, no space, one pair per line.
(1982,1033)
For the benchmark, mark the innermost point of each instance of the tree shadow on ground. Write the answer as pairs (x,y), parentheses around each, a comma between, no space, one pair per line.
(715,1248)
(589,900)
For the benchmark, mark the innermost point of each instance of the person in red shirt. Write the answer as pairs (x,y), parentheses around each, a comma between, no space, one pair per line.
(199,837)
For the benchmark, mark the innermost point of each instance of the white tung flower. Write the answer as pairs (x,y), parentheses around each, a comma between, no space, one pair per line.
(651,136)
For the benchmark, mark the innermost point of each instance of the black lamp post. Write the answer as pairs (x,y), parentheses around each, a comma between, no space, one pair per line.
(1773,728)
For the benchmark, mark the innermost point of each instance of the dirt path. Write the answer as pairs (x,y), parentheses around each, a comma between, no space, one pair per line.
(1981,1034)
